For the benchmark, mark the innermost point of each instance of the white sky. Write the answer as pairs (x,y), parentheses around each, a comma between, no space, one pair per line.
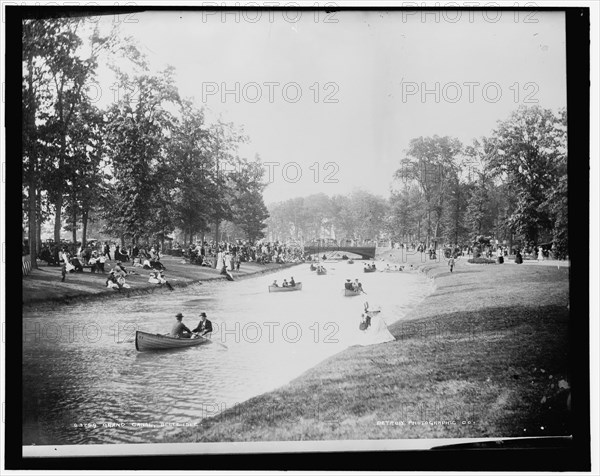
(368,56)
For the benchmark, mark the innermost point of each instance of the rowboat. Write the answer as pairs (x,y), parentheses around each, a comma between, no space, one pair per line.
(321,271)
(351,292)
(145,341)
(281,289)
(369,270)
(350,261)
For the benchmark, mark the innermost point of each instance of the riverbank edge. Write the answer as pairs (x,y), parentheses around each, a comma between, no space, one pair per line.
(148,289)
(303,384)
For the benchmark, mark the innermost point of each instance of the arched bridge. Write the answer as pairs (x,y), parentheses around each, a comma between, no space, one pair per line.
(365,252)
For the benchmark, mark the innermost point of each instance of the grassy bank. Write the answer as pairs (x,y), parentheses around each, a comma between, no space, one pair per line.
(45,285)
(485,355)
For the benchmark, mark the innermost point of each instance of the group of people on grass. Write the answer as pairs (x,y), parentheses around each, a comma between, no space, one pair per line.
(205,253)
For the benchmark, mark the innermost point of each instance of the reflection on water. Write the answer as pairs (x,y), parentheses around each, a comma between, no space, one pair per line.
(84,382)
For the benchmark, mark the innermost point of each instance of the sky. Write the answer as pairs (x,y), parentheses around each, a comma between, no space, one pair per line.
(330,103)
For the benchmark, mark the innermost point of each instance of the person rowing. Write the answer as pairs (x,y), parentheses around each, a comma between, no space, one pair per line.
(179,329)
(292,282)
(204,327)
(275,284)
(360,288)
(348,285)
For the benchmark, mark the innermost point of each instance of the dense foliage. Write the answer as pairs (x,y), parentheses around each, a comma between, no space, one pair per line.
(143,166)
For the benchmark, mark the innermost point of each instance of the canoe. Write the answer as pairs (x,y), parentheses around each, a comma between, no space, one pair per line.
(351,292)
(145,341)
(281,289)
(369,270)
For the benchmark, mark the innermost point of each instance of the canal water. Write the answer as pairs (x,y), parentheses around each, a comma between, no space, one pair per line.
(84,382)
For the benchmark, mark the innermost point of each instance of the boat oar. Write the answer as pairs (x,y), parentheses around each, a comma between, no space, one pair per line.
(128,341)
(219,343)
(210,340)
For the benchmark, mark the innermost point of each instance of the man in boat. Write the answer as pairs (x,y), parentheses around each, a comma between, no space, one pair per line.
(204,328)
(179,329)
(292,282)
(285,283)
(355,285)
(275,284)
(348,285)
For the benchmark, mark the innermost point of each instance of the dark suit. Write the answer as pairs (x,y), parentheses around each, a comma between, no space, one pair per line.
(204,327)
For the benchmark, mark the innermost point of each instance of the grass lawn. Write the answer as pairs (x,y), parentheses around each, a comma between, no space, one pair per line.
(485,355)
(44,284)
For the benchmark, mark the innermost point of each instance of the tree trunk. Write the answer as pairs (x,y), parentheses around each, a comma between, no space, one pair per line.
(74,223)
(428,227)
(39,219)
(59,190)
(57,223)
(39,234)
(31,179)
(84,222)
(217,241)
(32,223)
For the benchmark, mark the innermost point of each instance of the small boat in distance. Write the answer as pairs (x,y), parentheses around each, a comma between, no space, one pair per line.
(369,270)
(321,271)
(350,261)
(351,292)
(145,341)
(280,289)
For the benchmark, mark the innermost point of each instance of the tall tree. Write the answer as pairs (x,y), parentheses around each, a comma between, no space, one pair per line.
(139,127)
(194,183)
(431,163)
(531,147)
(71,64)
(248,207)
(479,218)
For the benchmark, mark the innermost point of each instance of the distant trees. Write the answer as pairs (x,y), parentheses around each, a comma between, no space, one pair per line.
(357,216)
(509,186)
